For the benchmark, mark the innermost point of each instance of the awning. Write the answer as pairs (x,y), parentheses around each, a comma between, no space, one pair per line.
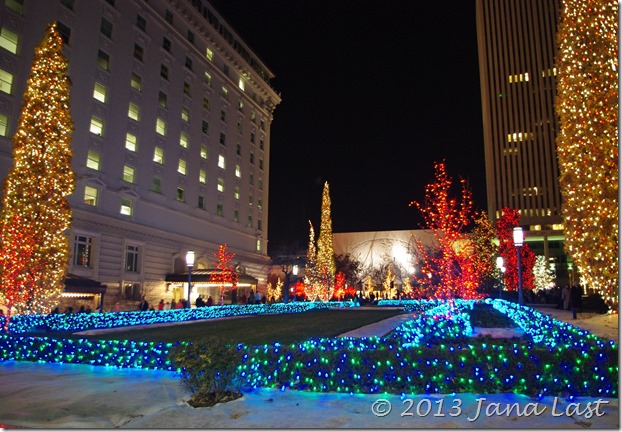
(82,285)
(205,276)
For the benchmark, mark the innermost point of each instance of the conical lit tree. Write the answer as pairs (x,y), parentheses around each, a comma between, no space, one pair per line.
(34,246)
(587,142)
(312,282)
(325,259)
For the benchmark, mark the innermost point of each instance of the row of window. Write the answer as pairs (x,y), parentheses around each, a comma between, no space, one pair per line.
(83,248)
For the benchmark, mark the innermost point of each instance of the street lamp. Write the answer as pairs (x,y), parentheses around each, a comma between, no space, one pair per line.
(518,242)
(190,264)
(295,273)
(502,270)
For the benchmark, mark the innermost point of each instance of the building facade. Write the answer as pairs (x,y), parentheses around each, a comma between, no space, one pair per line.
(517,48)
(172,113)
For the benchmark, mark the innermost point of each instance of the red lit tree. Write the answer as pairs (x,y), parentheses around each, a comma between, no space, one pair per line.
(507,249)
(447,268)
(34,247)
(225,274)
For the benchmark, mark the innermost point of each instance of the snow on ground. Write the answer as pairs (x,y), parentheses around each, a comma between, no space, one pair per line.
(36,395)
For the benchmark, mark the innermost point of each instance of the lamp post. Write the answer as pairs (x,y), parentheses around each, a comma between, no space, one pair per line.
(502,270)
(295,273)
(190,264)
(518,242)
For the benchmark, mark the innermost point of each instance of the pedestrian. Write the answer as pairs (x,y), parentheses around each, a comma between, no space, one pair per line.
(117,307)
(210,301)
(199,301)
(179,304)
(144,305)
(167,305)
(161,305)
(566,297)
(173,304)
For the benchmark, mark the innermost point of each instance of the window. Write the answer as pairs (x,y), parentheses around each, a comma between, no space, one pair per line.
(64,31)
(97,126)
(253,137)
(251,179)
(8,40)
(250,200)
(225,93)
(99,92)
(103,60)
(223,115)
(238,149)
(168,16)
(90,195)
(136,81)
(181,167)
(183,139)
(161,126)
(133,111)
(259,204)
(106,28)
(261,164)
(185,114)
(261,143)
(241,84)
(141,23)
(252,158)
(209,54)
(204,127)
(225,69)
(201,203)
(158,155)
(221,161)
(190,37)
(203,151)
(249,222)
(129,174)
(4,125)
(206,104)
(202,176)
(131,258)
(6,81)
(238,171)
(258,245)
(219,211)
(156,184)
(82,251)
(188,63)
(222,139)
(236,216)
(239,127)
(92,160)
(181,194)
(164,71)
(67,3)
(16,6)
(262,125)
(127,206)
(208,79)
(241,106)
(187,90)
(259,226)
(139,52)
(130,142)
(236,193)
(166,44)
(260,183)
(163,99)
(221,184)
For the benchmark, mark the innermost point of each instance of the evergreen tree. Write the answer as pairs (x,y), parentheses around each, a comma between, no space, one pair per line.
(34,247)
(325,259)
(587,142)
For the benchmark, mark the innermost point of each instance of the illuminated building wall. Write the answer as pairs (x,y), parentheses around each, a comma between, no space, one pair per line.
(172,113)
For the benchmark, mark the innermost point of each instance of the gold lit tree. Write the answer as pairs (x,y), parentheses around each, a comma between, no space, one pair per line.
(325,259)
(34,247)
(587,142)
(273,292)
(312,280)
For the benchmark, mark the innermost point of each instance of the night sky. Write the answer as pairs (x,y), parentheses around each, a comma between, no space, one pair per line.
(374,92)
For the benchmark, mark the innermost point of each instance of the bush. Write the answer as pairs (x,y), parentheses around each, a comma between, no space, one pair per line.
(208,368)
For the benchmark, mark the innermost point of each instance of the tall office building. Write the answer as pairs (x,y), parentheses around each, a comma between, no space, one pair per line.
(172,113)
(517,48)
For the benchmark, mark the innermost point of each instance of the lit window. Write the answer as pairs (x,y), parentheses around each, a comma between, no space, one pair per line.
(225,93)
(158,155)
(82,251)
(8,40)
(241,84)
(258,245)
(181,167)
(209,54)
(183,139)
(181,194)
(92,160)
(221,161)
(4,125)
(97,126)
(99,92)
(90,195)
(161,126)
(6,81)
(128,173)
(185,114)
(238,171)
(236,193)
(16,6)
(202,176)
(250,200)
(131,258)
(208,79)
(203,151)
(241,106)
(130,142)
(134,111)
(156,184)
(126,206)
(259,204)
(221,185)
(136,81)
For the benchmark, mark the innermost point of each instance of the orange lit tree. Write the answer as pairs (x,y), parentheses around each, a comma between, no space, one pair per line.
(225,273)
(507,249)
(34,247)
(447,268)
